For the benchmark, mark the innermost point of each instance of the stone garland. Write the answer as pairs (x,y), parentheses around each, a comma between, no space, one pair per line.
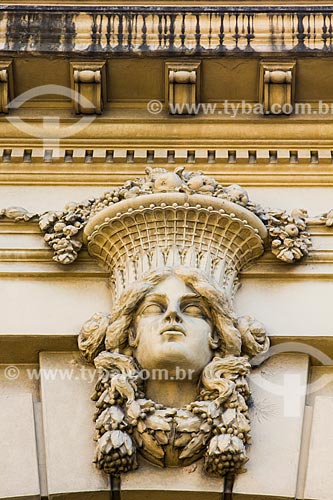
(289,239)
(216,426)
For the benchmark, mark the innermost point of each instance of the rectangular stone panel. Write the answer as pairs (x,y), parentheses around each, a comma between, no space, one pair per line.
(149,482)
(53,306)
(319,478)
(66,387)
(278,389)
(18,457)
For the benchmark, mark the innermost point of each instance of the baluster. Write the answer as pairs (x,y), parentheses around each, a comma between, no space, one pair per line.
(325,35)
(330,30)
(120,35)
(130,31)
(182,35)
(283,30)
(314,31)
(159,29)
(236,36)
(144,33)
(99,35)
(172,32)
(165,34)
(210,31)
(197,32)
(293,28)
(250,32)
(94,30)
(135,25)
(221,34)
(300,31)
(108,33)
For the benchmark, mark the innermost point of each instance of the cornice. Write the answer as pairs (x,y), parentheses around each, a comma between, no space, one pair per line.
(96,166)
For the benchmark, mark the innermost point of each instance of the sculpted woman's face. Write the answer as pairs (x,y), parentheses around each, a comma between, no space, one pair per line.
(173,329)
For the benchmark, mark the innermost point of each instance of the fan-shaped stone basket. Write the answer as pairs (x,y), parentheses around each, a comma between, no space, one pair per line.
(171,229)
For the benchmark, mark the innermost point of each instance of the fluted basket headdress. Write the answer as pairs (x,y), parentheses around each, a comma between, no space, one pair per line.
(168,229)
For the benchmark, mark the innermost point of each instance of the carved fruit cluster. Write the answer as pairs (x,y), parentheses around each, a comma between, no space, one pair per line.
(289,239)
(115,450)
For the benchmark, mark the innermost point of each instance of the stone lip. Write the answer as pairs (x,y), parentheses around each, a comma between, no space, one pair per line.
(170,199)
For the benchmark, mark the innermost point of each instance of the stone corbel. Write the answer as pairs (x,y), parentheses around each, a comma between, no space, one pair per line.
(88,82)
(276,91)
(183,87)
(6,85)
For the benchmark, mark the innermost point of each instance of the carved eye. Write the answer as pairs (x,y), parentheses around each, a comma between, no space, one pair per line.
(153,309)
(194,310)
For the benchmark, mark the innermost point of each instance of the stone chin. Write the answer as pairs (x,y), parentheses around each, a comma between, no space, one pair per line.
(171,355)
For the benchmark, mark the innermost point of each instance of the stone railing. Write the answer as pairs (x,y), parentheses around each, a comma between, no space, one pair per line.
(171,30)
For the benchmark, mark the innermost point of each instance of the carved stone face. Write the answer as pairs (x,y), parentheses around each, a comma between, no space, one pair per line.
(172,329)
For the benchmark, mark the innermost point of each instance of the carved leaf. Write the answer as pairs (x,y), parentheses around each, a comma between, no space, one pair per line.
(104,398)
(105,443)
(117,438)
(141,426)
(237,444)
(138,438)
(229,416)
(193,446)
(183,440)
(133,410)
(189,424)
(213,410)
(242,423)
(122,384)
(116,414)
(223,442)
(157,423)
(151,446)
(213,448)
(161,437)
(205,427)
(128,443)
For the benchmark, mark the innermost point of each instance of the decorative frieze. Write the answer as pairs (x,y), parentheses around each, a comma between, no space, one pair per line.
(195,155)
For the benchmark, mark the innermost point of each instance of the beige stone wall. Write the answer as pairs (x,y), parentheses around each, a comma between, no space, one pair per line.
(44,304)
(46,416)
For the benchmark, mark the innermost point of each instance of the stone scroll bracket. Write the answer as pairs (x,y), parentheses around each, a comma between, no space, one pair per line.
(88,80)
(277,87)
(6,85)
(182,87)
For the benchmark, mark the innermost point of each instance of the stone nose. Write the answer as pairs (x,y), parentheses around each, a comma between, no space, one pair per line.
(172,316)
